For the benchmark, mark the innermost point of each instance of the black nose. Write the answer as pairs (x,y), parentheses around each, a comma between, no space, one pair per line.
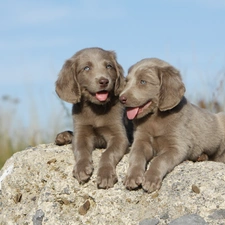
(123,99)
(103,82)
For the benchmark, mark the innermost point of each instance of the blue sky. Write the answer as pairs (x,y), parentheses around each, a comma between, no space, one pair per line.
(38,36)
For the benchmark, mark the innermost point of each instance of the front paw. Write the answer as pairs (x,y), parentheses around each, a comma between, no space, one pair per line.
(106,177)
(64,138)
(151,182)
(82,171)
(133,179)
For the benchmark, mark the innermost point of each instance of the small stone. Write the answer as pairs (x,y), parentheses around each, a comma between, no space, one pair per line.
(192,219)
(128,200)
(17,198)
(84,208)
(155,194)
(51,161)
(65,201)
(34,198)
(202,158)
(195,189)
(66,191)
(38,217)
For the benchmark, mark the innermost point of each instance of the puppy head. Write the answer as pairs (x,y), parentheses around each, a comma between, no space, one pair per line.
(151,84)
(92,74)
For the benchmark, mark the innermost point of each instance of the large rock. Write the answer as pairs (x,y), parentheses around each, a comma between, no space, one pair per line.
(37,187)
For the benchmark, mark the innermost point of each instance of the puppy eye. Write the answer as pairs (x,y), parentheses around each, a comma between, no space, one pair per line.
(108,66)
(86,68)
(143,82)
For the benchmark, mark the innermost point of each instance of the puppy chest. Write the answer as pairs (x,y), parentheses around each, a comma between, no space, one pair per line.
(159,144)
(97,121)
(154,130)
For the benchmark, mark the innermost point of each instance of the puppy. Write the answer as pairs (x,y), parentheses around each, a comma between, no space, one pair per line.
(92,80)
(168,128)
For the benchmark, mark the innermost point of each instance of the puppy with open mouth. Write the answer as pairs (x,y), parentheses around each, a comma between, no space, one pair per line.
(92,80)
(168,129)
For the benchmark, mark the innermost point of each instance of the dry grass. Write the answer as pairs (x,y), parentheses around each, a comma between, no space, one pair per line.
(15,136)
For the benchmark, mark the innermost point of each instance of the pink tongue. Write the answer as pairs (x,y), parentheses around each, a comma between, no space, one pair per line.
(102,96)
(132,112)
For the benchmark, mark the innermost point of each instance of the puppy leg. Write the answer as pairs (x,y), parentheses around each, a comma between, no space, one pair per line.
(141,153)
(117,147)
(159,167)
(83,145)
(64,138)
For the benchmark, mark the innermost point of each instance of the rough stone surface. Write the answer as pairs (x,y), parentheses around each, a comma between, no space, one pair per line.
(37,187)
(189,220)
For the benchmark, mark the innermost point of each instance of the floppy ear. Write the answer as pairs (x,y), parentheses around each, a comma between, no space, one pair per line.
(67,86)
(172,88)
(119,84)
